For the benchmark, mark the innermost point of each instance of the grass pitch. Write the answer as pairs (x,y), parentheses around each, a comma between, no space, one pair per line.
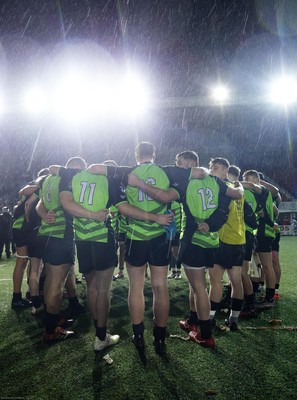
(258,362)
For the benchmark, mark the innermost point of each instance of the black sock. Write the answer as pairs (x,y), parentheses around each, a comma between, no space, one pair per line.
(236,304)
(250,301)
(255,286)
(214,306)
(95,323)
(50,322)
(36,301)
(193,318)
(277,286)
(138,329)
(159,332)
(269,295)
(17,296)
(205,329)
(101,332)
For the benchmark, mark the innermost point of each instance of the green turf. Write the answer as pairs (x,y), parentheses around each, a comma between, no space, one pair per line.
(250,364)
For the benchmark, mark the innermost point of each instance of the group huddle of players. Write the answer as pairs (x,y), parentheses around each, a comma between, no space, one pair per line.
(223,222)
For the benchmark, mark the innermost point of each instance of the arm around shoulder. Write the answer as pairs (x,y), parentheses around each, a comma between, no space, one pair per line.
(236,192)
(97,169)
(273,189)
(199,172)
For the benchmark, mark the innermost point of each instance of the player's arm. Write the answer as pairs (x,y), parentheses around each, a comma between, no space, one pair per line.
(273,189)
(275,211)
(77,210)
(278,200)
(252,187)
(48,216)
(28,190)
(199,172)
(250,217)
(29,204)
(133,212)
(219,217)
(163,196)
(235,192)
(97,169)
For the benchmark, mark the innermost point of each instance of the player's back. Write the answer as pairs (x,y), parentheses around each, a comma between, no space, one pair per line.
(153,175)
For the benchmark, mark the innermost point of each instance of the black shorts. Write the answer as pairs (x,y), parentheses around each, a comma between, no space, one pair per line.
(57,251)
(196,256)
(175,240)
(35,248)
(275,243)
(155,251)
(229,255)
(19,237)
(264,244)
(249,245)
(96,256)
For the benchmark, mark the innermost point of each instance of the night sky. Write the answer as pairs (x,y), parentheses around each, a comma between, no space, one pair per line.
(182,47)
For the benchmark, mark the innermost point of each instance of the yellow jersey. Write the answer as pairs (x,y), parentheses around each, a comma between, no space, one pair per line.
(233,231)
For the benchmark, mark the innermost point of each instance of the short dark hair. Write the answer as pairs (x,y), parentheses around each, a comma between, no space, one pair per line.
(251,172)
(188,155)
(145,149)
(220,160)
(234,170)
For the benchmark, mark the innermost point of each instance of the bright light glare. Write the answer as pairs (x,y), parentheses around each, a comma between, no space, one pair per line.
(34,100)
(220,93)
(73,98)
(284,91)
(77,96)
(1,105)
(132,96)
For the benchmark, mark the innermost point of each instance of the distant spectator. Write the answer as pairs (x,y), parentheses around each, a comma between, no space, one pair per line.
(6,220)
(294,225)
(285,220)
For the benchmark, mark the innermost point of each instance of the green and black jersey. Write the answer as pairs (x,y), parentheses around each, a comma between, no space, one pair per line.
(200,198)
(19,214)
(50,195)
(266,223)
(33,220)
(154,175)
(94,193)
(123,221)
(252,200)
(114,215)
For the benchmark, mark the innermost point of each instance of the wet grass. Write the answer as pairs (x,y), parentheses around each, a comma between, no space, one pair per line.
(251,364)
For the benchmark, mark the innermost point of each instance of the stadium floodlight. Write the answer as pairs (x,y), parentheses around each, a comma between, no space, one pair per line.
(220,93)
(73,97)
(133,97)
(283,91)
(34,100)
